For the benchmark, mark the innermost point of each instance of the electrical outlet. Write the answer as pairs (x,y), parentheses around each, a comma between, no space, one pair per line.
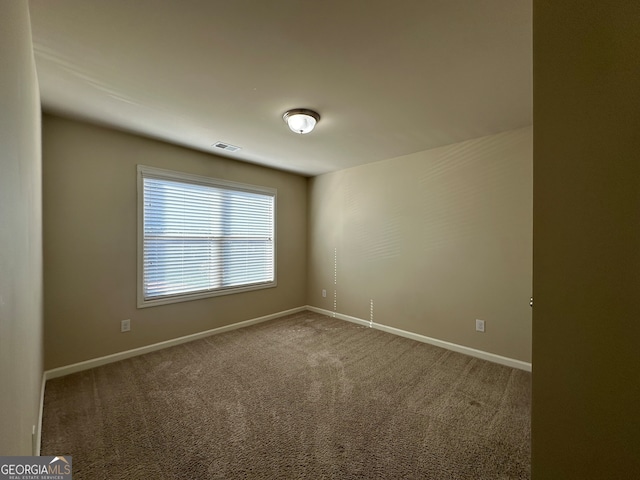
(324,293)
(479,325)
(125,325)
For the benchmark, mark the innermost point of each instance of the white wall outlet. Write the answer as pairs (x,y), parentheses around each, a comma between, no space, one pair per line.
(324,293)
(479,325)
(125,325)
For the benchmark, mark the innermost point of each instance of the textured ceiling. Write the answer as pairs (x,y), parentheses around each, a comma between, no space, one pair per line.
(388,78)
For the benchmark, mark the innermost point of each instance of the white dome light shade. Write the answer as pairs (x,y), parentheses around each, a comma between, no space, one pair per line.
(301,123)
(301,120)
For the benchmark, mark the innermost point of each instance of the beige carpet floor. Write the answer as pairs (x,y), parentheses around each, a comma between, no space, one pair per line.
(304,396)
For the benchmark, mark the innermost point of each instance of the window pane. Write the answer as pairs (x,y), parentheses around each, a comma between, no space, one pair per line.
(203,237)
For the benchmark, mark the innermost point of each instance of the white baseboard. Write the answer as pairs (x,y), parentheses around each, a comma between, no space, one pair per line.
(491,357)
(341,316)
(96,362)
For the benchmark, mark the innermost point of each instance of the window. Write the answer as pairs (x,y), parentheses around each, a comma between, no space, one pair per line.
(199,237)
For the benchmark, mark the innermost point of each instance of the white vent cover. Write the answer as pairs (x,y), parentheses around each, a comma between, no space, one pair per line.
(226,147)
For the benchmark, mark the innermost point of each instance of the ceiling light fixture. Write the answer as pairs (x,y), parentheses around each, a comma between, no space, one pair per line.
(301,120)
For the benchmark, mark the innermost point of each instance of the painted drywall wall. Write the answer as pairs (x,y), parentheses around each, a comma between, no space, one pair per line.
(586,276)
(90,230)
(20,233)
(434,240)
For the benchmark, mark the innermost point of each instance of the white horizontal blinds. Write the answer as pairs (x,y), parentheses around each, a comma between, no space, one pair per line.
(200,238)
(247,232)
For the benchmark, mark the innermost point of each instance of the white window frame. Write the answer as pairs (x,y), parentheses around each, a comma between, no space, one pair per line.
(201,180)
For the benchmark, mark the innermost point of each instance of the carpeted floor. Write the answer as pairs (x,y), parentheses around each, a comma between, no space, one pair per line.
(304,396)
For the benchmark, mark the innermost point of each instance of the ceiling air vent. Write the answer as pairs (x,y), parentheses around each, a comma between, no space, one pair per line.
(226,147)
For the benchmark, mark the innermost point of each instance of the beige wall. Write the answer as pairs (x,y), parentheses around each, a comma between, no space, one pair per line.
(90,243)
(20,233)
(586,328)
(436,239)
